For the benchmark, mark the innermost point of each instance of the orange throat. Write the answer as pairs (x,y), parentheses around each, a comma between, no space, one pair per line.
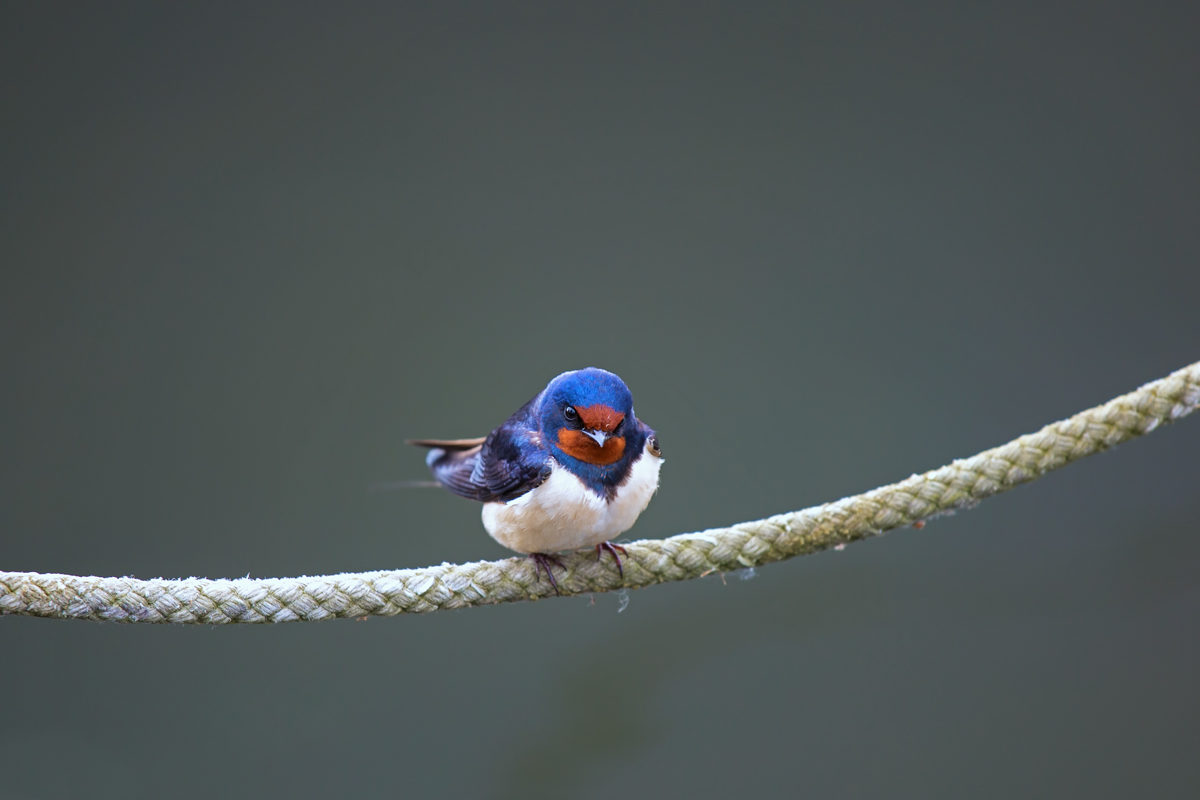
(578,444)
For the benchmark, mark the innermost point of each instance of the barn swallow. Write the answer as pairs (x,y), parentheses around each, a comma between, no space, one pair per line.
(572,468)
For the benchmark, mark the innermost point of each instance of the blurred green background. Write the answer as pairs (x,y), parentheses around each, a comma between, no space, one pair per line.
(245,251)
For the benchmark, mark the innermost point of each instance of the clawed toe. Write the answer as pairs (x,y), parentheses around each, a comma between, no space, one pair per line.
(546,561)
(612,548)
(543,561)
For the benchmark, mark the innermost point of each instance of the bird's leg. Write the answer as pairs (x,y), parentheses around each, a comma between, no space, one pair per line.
(543,561)
(612,548)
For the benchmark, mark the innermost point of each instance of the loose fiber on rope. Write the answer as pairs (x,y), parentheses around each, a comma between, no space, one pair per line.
(692,555)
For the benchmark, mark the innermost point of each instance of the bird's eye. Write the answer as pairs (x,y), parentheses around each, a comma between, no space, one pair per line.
(571,414)
(652,446)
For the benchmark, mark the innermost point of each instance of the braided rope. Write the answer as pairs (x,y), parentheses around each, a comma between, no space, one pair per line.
(960,484)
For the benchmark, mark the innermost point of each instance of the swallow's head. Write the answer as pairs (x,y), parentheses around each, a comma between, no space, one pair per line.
(588,415)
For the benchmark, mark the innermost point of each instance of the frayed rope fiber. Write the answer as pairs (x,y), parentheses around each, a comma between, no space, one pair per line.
(692,555)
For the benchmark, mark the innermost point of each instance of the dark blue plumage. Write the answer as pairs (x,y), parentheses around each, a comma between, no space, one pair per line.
(517,456)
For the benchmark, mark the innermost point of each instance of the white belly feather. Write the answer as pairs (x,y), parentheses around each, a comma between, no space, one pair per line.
(564,514)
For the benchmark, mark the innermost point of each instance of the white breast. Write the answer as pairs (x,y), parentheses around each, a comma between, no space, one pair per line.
(564,514)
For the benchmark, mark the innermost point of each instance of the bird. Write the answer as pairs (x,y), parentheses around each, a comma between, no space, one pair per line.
(572,469)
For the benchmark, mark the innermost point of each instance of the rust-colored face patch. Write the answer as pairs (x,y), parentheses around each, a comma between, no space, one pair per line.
(579,445)
(600,418)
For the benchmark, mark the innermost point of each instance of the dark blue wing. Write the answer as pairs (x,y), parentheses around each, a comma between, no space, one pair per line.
(510,462)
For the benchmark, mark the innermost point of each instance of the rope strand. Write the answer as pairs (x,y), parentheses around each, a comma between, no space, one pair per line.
(960,484)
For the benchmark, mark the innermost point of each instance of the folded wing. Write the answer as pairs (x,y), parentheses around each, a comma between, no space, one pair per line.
(500,467)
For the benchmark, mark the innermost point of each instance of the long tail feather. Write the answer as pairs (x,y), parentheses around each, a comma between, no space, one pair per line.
(387,486)
(447,444)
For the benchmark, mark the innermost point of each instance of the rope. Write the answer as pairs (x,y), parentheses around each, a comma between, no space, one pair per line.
(958,485)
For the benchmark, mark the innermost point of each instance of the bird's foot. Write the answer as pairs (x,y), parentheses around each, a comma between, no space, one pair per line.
(612,548)
(543,561)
